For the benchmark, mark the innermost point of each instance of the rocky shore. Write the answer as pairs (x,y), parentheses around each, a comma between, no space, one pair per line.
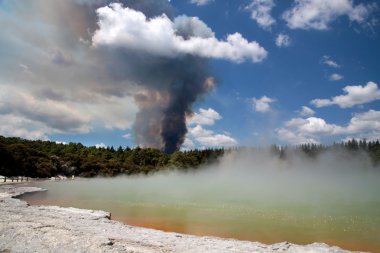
(25,228)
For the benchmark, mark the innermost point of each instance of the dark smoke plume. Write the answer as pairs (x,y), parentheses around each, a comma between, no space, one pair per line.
(171,88)
(167,87)
(188,80)
(164,88)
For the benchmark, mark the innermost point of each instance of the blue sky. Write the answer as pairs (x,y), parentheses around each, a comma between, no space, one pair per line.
(309,71)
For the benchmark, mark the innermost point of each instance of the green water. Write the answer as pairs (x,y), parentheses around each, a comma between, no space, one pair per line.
(250,208)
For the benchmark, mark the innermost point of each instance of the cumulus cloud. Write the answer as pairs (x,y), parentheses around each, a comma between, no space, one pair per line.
(209,138)
(72,71)
(336,77)
(300,130)
(261,12)
(57,116)
(125,27)
(188,144)
(61,142)
(198,131)
(13,125)
(199,137)
(44,112)
(293,138)
(50,82)
(205,117)
(111,112)
(312,125)
(306,111)
(192,27)
(217,140)
(127,136)
(262,104)
(166,58)
(319,14)
(201,2)
(354,95)
(329,62)
(283,40)
(54,79)
(101,145)
(364,122)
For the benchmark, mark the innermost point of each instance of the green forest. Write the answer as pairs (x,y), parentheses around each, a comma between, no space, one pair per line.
(42,159)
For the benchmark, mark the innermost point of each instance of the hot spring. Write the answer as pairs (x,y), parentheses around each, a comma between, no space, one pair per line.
(333,199)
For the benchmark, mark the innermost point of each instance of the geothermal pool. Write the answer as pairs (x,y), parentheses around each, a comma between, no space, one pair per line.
(237,200)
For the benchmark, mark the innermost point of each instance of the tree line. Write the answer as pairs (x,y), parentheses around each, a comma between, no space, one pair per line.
(41,159)
(351,148)
(20,157)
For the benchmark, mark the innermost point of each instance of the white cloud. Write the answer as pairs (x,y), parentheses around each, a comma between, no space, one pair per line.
(364,122)
(101,145)
(355,95)
(61,142)
(262,104)
(188,144)
(201,2)
(37,114)
(312,125)
(319,14)
(306,111)
(50,82)
(217,140)
(336,77)
(283,40)
(361,125)
(198,136)
(192,26)
(198,131)
(127,136)
(205,117)
(261,12)
(13,125)
(56,116)
(293,138)
(125,27)
(329,62)
(209,139)
(112,112)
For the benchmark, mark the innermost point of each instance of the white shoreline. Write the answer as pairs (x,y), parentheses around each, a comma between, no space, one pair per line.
(25,228)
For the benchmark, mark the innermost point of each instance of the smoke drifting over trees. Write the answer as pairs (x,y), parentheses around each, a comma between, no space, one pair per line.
(46,159)
(108,64)
(165,87)
(168,60)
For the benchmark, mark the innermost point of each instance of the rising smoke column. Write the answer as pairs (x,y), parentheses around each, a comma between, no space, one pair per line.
(101,61)
(166,60)
(165,101)
(191,82)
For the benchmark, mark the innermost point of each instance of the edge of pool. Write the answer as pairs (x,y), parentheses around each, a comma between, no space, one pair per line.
(26,228)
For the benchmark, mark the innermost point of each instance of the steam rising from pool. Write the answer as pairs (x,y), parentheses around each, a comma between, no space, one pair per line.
(246,195)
